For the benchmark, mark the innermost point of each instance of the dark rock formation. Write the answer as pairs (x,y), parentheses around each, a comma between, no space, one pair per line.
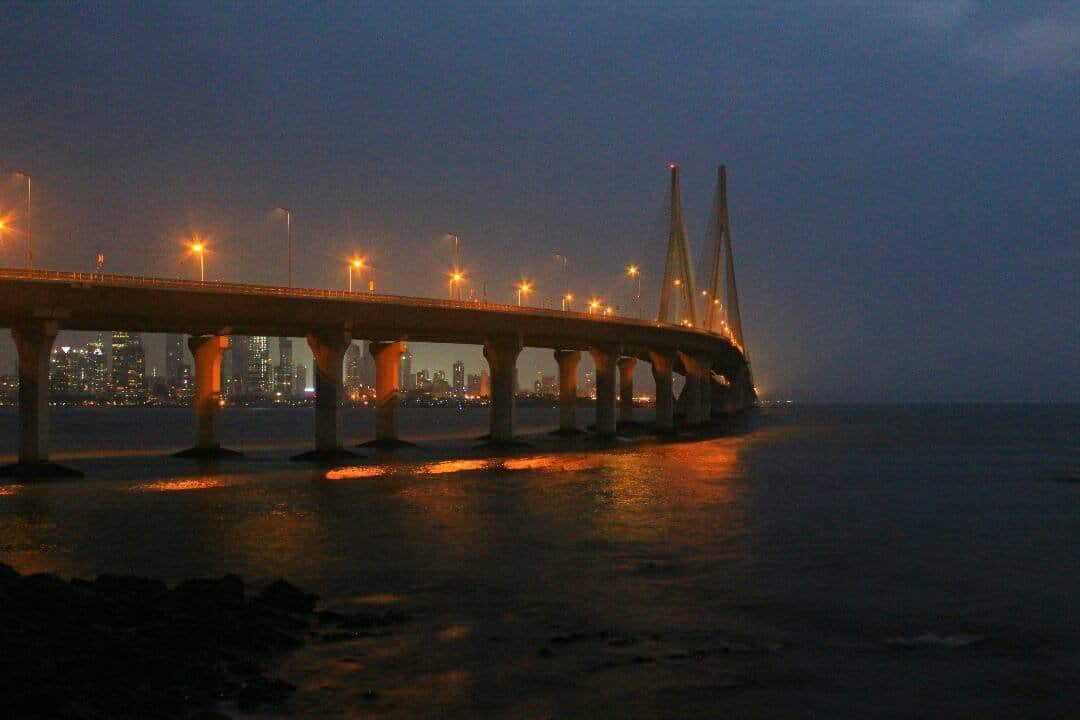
(129,647)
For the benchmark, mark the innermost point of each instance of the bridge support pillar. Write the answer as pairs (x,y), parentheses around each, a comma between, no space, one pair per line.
(33,343)
(387,356)
(208,351)
(698,387)
(501,354)
(568,365)
(626,390)
(328,352)
(604,358)
(662,364)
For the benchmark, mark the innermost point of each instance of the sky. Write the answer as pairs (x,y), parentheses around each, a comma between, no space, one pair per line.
(904,178)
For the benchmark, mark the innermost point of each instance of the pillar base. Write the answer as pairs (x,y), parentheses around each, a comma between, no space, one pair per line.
(386,444)
(326,457)
(38,471)
(208,453)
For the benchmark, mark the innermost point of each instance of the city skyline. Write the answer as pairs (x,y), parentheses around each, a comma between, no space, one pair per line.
(903,220)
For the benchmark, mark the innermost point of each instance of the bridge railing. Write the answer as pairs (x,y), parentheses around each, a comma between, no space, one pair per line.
(317,293)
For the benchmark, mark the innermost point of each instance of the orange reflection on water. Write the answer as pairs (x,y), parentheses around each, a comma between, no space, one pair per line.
(9,489)
(553,463)
(451,466)
(356,472)
(200,483)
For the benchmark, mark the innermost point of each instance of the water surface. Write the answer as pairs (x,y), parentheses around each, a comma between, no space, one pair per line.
(820,562)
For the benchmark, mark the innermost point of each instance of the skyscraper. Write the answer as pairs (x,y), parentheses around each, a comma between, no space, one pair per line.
(285,368)
(300,381)
(459,378)
(236,359)
(97,381)
(354,363)
(174,359)
(257,371)
(128,367)
(405,377)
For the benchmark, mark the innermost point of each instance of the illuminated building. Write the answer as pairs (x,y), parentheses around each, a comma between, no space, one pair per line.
(300,381)
(285,368)
(354,359)
(128,368)
(257,369)
(459,378)
(405,377)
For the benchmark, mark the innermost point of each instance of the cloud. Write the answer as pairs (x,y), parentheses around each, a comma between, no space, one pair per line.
(1048,44)
(1010,43)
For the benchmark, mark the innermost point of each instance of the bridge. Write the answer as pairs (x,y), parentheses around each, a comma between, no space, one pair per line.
(37,304)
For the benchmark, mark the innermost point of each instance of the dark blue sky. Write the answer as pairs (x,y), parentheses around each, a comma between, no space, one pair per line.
(904,182)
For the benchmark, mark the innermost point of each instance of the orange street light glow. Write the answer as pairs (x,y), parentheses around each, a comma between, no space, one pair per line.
(632,271)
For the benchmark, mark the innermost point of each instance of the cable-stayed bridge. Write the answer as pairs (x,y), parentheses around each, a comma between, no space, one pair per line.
(706,348)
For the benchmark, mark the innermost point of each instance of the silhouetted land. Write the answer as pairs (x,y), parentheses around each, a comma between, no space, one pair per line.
(131,647)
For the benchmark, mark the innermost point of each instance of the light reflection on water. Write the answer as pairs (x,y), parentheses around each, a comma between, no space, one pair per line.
(182,484)
(808,542)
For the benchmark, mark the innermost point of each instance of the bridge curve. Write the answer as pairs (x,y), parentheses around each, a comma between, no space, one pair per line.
(37,304)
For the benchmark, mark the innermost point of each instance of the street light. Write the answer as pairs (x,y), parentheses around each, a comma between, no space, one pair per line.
(523,289)
(198,247)
(288,230)
(354,264)
(29,224)
(635,272)
(566,300)
(456,278)
(594,304)
(678,312)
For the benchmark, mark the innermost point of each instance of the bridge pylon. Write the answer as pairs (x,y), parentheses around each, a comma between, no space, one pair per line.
(677,289)
(722,297)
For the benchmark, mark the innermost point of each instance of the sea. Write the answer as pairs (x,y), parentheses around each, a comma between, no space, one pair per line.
(804,561)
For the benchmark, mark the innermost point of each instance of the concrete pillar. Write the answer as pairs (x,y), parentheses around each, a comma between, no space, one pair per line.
(604,358)
(501,354)
(387,356)
(208,351)
(662,364)
(696,388)
(33,343)
(328,352)
(626,389)
(568,366)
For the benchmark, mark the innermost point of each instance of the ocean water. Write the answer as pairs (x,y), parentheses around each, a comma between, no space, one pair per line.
(811,561)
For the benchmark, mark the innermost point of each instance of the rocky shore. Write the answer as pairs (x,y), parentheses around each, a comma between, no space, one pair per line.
(132,647)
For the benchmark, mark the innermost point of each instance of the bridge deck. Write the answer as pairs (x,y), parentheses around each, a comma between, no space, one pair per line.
(94,301)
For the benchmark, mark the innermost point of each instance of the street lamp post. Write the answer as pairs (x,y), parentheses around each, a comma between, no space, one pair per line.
(288,231)
(455,280)
(635,272)
(523,290)
(355,263)
(29,223)
(199,248)
(566,300)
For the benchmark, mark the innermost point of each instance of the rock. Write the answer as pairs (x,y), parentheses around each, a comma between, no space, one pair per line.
(229,590)
(128,647)
(262,691)
(285,596)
